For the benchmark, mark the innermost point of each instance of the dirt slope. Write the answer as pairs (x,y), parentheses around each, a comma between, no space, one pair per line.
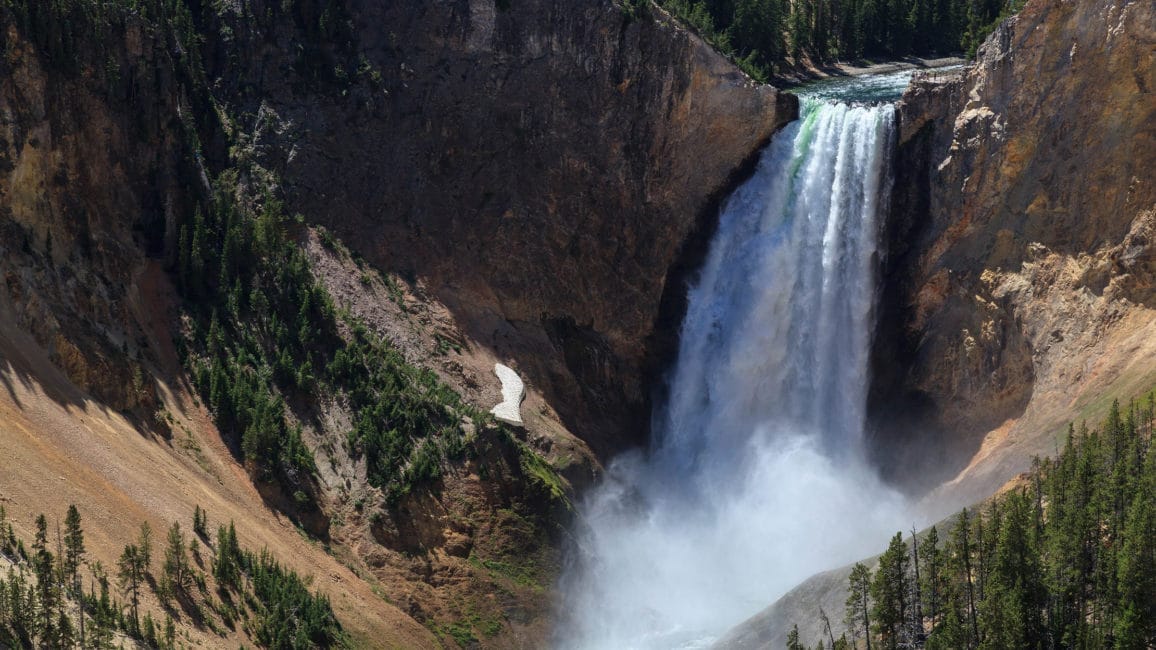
(58,447)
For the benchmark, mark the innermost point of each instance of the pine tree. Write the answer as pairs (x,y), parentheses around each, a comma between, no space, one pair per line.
(889,591)
(858,605)
(64,636)
(201,523)
(5,548)
(1012,606)
(104,614)
(962,570)
(7,638)
(915,633)
(131,571)
(184,262)
(148,630)
(176,568)
(226,568)
(73,546)
(793,639)
(1136,570)
(43,566)
(197,259)
(145,546)
(1070,538)
(932,588)
(827,627)
(798,28)
(950,634)
(21,608)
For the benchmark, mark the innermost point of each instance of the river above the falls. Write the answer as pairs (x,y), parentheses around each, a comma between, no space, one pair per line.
(886,87)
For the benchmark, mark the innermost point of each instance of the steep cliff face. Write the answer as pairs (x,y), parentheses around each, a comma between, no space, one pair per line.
(1020,284)
(538,174)
(545,167)
(96,163)
(89,168)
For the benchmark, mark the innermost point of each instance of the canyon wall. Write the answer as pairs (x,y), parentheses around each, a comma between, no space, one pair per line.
(1019,285)
(537,180)
(91,170)
(550,169)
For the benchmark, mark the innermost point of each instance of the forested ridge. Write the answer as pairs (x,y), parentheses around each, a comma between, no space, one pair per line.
(1065,559)
(262,339)
(54,596)
(263,342)
(766,37)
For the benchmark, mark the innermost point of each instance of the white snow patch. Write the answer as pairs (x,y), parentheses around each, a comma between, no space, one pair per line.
(513,390)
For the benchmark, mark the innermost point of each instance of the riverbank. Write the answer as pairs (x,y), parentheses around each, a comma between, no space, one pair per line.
(809,72)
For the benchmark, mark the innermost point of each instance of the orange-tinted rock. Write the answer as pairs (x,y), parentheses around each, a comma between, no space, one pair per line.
(1017,289)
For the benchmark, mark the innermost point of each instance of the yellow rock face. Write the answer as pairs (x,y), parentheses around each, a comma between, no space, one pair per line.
(1033,235)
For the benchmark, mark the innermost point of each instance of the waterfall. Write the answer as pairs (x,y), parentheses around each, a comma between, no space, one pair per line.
(756,477)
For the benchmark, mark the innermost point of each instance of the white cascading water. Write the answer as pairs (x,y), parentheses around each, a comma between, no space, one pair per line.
(756,478)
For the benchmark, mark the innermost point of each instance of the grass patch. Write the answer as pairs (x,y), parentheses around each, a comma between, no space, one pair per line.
(543,474)
(524,571)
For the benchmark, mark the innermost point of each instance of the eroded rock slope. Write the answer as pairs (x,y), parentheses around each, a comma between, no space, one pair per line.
(547,167)
(1020,285)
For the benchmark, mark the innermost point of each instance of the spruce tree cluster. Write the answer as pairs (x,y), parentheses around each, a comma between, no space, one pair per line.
(1067,559)
(44,601)
(266,334)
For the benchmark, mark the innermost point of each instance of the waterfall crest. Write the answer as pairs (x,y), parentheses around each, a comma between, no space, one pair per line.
(756,476)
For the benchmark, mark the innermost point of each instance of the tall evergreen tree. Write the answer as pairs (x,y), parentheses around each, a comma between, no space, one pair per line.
(73,545)
(21,609)
(145,546)
(6,549)
(176,567)
(889,591)
(1014,598)
(1136,570)
(201,523)
(226,567)
(932,589)
(131,572)
(961,563)
(793,639)
(43,565)
(858,605)
(915,634)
